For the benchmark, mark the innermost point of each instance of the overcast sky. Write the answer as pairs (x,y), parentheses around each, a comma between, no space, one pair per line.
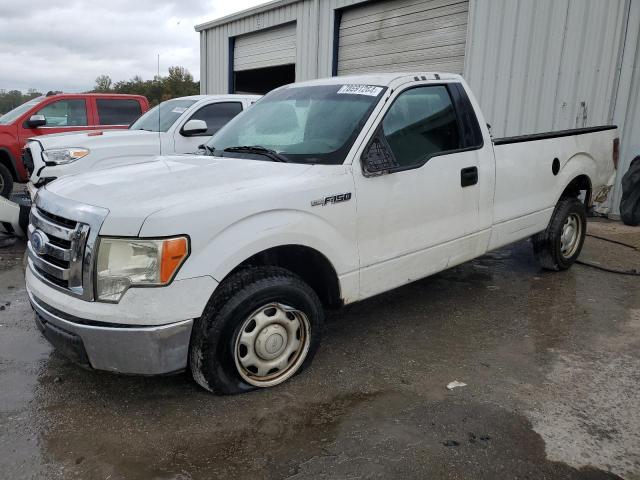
(65,44)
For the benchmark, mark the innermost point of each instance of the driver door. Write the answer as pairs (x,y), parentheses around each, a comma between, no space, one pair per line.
(64,115)
(419,212)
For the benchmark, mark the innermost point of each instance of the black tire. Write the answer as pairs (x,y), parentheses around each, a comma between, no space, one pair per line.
(212,352)
(6,181)
(547,245)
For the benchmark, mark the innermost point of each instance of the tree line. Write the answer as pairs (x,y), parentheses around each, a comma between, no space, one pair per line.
(178,83)
(13,98)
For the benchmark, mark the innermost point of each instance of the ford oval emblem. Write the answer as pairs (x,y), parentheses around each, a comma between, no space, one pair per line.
(39,242)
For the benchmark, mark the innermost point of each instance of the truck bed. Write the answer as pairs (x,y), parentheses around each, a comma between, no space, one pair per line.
(530,167)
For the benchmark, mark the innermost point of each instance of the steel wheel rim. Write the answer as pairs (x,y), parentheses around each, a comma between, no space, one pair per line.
(570,236)
(272,344)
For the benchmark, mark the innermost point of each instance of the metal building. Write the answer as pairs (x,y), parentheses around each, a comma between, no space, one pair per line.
(535,65)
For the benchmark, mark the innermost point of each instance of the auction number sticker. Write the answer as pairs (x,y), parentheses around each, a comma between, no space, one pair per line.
(370,90)
(179,110)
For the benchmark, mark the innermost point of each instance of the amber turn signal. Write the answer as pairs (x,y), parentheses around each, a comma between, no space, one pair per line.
(174,252)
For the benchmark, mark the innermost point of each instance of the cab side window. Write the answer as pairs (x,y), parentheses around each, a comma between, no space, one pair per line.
(65,113)
(421,123)
(217,115)
(112,111)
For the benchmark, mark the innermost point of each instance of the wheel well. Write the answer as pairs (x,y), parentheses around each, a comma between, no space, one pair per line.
(312,266)
(5,160)
(580,184)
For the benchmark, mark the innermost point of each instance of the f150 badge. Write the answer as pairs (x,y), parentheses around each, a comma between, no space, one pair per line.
(343,197)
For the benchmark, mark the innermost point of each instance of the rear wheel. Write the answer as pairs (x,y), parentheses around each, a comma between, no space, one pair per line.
(261,327)
(6,181)
(558,247)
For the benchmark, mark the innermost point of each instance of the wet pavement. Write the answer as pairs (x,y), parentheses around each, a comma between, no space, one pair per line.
(551,362)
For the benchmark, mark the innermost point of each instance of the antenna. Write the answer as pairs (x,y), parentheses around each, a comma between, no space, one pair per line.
(159,102)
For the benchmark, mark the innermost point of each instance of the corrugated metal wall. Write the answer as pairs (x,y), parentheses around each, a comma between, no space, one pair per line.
(315,23)
(326,33)
(214,69)
(314,40)
(627,107)
(541,65)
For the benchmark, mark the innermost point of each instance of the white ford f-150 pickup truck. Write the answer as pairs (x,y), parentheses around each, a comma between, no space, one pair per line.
(176,126)
(323,193)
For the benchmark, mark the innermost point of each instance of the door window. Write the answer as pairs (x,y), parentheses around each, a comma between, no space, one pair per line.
(114,111)
(421,123)
(217,115)
(65,113)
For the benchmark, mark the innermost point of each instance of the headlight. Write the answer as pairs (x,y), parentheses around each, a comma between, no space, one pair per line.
(128,262)
(61,156)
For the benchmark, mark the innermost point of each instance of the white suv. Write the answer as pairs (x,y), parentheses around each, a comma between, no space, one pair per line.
(176,126)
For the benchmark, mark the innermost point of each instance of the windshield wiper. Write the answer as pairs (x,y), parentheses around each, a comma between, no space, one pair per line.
(209,150)
(272,154)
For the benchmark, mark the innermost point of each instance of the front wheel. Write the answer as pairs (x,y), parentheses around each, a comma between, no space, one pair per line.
(261,327)
(6,181)
(558,247)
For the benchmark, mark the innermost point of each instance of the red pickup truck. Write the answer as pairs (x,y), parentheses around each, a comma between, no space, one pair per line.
(55,114)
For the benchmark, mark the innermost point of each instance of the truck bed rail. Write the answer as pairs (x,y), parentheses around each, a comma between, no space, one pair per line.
(546,135)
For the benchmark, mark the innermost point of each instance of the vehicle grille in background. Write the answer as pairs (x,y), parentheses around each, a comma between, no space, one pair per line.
(56,249)
(27,160)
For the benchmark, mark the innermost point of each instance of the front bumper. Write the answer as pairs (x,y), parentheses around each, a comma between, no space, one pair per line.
(130,349)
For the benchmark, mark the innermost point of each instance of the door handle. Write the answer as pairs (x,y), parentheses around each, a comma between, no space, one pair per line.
(468,176)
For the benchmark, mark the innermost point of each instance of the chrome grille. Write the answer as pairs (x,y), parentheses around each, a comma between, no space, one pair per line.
(62,235)
(58,248)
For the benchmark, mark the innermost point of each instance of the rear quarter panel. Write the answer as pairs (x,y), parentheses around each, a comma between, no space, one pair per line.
(527,190)
(525,182)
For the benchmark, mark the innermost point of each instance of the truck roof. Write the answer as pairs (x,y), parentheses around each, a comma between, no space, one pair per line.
(382,79)
(221,97)
(59,95)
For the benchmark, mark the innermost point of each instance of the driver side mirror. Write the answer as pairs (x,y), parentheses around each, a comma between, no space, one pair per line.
(194,127)
(377,158)
(36,121)
(202,149)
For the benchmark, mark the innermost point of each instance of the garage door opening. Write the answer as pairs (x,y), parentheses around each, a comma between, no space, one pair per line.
(262,80)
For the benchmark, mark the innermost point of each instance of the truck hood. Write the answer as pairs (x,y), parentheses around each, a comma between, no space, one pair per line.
(133,192)
(92,139)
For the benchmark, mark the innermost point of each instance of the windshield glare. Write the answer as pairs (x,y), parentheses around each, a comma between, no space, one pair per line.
(11,115)
(168,112)
(309,124)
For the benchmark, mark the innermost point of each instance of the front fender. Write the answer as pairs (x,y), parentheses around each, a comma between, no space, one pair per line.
(219,254)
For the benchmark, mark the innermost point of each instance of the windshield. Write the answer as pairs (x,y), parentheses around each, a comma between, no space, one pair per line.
(10,116)
(169,112)
(309,124)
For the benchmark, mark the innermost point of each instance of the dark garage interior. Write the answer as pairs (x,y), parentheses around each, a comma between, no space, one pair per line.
(262,80)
